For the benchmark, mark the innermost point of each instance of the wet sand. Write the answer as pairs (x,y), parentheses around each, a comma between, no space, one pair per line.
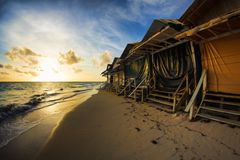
(30,143)
(110,127)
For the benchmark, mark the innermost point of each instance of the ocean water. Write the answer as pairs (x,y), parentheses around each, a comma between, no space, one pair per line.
(21,99)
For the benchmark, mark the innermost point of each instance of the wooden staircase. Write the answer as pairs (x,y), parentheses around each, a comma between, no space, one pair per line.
(138,91)
(139,94)
(224,108)
(166,99)
(171,99)
(119,89)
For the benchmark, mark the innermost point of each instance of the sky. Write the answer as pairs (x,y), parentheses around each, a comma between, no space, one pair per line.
(73,40)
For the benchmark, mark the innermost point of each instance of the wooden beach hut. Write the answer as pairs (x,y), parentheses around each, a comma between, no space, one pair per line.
(118,75)
(171,64)
(215,28)
(135,73)
(106,73)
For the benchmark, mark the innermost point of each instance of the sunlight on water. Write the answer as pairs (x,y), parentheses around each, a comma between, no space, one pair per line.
(25,105)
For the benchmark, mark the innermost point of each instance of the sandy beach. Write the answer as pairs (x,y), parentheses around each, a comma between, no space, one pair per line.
(28,144)
(110,127)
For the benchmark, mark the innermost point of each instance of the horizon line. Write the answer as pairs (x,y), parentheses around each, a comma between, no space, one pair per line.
(45,81)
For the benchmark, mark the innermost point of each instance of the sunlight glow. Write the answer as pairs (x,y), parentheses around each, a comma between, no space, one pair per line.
(48,71)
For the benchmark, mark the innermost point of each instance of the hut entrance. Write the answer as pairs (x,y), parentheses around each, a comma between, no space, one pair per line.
(172,73)
(136,72)
(170,67)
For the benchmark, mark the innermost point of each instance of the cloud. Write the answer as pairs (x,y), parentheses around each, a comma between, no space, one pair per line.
(77,70)
(18,71)
(4,73)
(1,65)
(8,66)
(23,54)
(86,27)
(140,11)
(95,61)
(103,59)
(69,58)
(55,70)
(32,73)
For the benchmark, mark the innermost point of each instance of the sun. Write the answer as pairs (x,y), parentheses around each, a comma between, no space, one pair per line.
(49,71)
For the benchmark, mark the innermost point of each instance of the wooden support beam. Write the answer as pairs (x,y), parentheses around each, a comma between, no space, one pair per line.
(150,47)
(222,35)
(168,43)
(211,31)
(196,91)
(229,26)
(170,46)
(151,38)
(155,45)
(194,63)
(199,36)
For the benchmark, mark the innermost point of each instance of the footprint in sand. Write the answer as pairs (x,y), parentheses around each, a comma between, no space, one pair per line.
(138,129)
(154,142)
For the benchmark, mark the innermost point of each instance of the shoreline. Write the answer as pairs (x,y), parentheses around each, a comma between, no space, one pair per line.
(107,126)
(27,145)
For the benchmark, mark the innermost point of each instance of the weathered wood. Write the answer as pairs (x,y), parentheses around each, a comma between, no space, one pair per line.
(194,63)
(160,101)
(222,35)
(224,95)
(220,119)
(170,46)
(196,91)
(212,32)
(136,86)
(221,110)
(222,102)
(199,36)
(129,83)
(141,44)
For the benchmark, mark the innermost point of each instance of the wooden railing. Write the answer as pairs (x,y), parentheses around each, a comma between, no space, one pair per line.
(176,100)
(149,86)
(201,83)
(128,84)
(137,86)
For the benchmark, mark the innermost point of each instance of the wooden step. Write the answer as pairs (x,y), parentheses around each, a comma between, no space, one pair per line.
(139,91)
(166,92)
(220,119)
(161,91)
(220,110)
(167,89)
(162,96)
(224,95)
(222,102)
(160,101)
